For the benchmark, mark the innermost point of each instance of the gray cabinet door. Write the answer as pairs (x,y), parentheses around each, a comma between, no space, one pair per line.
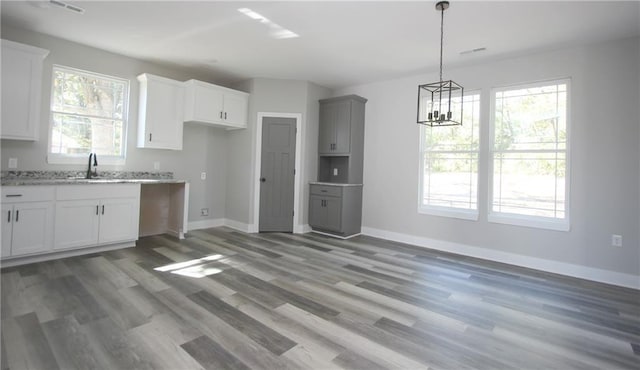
(325,213)
(335,128)
(327,132)
(317,212)
(333,207)
(342,127)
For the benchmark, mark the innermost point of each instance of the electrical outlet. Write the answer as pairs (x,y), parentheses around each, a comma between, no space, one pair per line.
(203,175)
(204,211)
(616,240)
(13,163)
(156,165)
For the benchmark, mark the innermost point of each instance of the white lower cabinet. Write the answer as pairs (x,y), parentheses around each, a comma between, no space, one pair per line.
(119,220)
(27,220)
(77,223)
(94,215)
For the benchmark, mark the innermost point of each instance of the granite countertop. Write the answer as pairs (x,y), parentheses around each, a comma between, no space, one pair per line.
(19,178)
(332,183)
(19,182)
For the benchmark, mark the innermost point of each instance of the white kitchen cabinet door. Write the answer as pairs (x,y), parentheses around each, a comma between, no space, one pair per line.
(119,220)
(235,109)
(7,227)
(77,224)
(203,102)
(21,90)
(32,228)
(160,118)
(214,105)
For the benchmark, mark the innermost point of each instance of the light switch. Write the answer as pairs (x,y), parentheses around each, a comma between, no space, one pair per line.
(335,172)
(156,165)
(13,163)
(203,175)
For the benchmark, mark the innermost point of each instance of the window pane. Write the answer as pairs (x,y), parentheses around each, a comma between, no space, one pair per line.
(529,184)
(88,113)
(451,180)
(455,138)
(72,134)
(531,118)
(450,161)
(530,151)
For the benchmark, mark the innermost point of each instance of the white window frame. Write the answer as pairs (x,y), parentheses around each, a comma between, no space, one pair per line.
(540,222)
(442,211)
(57,158)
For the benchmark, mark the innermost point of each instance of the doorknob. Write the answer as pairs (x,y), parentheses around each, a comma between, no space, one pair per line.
(262,179)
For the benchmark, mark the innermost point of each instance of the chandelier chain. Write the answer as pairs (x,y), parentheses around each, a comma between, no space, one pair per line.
(441,38)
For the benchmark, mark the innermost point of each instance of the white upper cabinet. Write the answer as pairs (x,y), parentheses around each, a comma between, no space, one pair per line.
(214,105)
(160,112)
(21,90)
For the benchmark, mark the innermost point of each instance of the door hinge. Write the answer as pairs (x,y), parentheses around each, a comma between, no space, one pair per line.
(294,171)
(293,213)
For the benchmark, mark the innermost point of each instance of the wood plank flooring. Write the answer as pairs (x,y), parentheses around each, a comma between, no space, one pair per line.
(222,299)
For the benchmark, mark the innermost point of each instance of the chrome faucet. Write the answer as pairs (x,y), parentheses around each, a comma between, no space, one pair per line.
(91,174)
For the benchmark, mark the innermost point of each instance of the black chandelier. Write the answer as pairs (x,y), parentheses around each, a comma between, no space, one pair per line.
(440,103)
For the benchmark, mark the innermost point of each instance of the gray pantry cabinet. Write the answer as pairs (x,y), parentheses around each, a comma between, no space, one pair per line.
(335,201)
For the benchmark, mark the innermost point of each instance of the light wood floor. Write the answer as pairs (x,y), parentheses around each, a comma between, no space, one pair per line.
(282,301)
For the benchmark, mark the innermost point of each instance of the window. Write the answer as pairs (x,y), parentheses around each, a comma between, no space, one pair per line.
(449,165)
(529,155)
(88,115)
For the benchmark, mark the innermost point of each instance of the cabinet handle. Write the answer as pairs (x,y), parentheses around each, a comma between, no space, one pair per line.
(103,209)
(323,191)
(13,195)
(220,114)
(150,137)
(225,115)
(97,207)
(17,215)
(8,216)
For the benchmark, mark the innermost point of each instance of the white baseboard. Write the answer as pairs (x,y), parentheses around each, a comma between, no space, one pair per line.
(205,224)
(562,268)
(335,236)
(217,222)
(237,225)
(301,229)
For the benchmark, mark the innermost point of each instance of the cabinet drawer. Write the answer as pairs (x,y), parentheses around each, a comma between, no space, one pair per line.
(15,194)
(334,191)
(91,191)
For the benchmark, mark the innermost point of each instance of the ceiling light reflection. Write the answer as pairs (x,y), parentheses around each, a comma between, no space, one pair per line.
(276,30)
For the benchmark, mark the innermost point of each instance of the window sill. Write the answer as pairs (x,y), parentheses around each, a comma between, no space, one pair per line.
(84,159)
(529,221)
(463,214)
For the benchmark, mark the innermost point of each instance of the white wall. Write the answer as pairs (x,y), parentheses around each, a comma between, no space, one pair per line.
(204,148)
(605,155)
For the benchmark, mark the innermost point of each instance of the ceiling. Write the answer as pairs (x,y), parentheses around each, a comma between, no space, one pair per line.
(340,43)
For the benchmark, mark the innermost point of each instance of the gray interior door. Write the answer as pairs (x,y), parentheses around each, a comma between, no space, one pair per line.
(277,174)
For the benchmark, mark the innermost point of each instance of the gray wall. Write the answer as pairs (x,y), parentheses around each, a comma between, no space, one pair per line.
(205,149)
(277,96)
(605,151)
